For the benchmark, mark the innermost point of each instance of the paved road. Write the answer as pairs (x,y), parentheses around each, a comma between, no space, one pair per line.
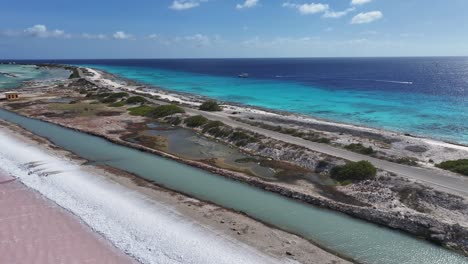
(446,181)
(442,180)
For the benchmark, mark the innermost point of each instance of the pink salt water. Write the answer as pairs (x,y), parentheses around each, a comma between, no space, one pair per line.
(35,230)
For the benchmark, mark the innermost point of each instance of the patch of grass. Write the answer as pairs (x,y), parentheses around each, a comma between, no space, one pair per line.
(246,160)
(359,148)
(166,110)
(142,110)
(136,100)
(241,138)
(195,121)
(117,104)
(118,95)
(210,106)
(212,124)
(220,132)
(354,171)
(458,166)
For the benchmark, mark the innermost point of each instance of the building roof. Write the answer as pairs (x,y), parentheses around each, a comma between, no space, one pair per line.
(11,92)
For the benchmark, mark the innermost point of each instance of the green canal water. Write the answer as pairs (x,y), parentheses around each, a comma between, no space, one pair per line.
(360,240)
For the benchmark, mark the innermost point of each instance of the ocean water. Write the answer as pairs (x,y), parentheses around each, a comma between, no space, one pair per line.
(421,96)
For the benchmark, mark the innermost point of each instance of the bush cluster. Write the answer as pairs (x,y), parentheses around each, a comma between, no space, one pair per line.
(354,171)
(195,121)
(210,106)
(457,166)
(359,148)
(166,110)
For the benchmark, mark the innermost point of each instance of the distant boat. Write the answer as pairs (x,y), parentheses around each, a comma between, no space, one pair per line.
(243,75)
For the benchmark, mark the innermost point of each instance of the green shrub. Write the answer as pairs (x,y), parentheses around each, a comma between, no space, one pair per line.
(211,106)
(195,121)
(143,110)
(241,139)
(359,148)
(457,166)
(166,110)
(212,124)
(108,100)
(354,171)
(117,104)
(136,100)
(118,95)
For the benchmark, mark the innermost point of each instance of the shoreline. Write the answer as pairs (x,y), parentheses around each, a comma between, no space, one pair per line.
(376,216)
(197,210)
(380,218)
(195,99)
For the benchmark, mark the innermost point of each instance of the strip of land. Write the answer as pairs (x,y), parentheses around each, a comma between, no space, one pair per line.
(243,143)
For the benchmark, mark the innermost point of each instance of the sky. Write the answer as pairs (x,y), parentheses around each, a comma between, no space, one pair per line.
(85,29)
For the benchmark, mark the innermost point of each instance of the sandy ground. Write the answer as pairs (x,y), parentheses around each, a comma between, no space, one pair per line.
(235,227)
(35,230)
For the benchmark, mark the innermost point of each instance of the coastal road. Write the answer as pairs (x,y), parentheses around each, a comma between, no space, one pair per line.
(438,179)
(441,180)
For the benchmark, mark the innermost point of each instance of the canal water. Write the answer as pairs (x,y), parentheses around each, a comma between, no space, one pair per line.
(360,240)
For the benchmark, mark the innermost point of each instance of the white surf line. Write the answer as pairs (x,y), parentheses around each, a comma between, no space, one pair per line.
(149,231)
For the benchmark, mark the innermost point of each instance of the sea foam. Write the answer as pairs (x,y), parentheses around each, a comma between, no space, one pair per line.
(149,231)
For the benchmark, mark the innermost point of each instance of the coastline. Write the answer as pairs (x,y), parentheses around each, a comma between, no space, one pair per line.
(113,81)
(411,225)
(224,223)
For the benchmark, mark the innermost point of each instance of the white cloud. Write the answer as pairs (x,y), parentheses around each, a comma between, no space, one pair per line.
(198,39)
(184,4)
(41,31)
(338,14)
(360,2)
(247,4)
(121,35)
(93,36)
(307,9)
(363,18)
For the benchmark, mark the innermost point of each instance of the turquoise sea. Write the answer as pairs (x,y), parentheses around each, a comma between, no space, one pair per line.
(12,76)
(425,96)
(398,107)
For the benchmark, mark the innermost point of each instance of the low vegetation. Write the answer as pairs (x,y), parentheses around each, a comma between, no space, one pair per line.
(458,166)
(359,148)
(195,121)
(212,124)
(210,106)
(310,136)
(354,171)
(166,110)
(117,104)
(142,110)
(241,138)
(136,100)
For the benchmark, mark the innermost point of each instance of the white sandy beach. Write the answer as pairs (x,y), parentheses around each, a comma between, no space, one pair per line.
(149,231)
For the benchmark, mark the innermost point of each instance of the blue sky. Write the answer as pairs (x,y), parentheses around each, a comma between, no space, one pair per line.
(231,28)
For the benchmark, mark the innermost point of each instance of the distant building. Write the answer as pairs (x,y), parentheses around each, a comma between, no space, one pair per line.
(12,95)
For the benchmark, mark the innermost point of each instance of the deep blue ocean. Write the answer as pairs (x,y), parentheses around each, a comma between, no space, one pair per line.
(423,96)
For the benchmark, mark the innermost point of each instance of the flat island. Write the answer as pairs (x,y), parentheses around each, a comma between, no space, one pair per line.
(394,180)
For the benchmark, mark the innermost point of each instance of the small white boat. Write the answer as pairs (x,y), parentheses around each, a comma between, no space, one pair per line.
(243,75)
